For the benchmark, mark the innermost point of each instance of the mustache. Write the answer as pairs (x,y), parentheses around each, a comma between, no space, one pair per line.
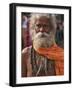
(43,39)
(42,35)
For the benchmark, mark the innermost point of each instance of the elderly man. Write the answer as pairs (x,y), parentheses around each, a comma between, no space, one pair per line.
(44,57)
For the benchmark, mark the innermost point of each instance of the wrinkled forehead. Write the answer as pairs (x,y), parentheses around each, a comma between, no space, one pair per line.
(42,19)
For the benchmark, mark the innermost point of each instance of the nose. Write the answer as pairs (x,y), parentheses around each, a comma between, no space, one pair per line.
(41,29)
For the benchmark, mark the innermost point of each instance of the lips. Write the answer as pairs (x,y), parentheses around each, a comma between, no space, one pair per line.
(42,35)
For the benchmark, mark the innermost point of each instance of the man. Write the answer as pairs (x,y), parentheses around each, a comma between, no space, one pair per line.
(44,57)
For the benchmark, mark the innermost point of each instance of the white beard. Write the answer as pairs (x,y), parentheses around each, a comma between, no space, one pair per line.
(43,40)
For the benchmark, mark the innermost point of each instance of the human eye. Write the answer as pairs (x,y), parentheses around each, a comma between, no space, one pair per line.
(46,26)
(38,25)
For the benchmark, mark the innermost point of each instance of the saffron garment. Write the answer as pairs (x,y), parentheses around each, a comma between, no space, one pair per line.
(54,53)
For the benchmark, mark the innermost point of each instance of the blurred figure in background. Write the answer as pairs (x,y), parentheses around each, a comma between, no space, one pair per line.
(25,31)
(60,30)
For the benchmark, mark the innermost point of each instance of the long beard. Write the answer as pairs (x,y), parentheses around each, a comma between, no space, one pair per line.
(43,40)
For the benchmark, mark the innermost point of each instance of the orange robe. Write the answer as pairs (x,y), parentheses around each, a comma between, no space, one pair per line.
(54,53)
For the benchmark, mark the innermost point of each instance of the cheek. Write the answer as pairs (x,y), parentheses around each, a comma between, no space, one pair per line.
(37,30)
(47,31)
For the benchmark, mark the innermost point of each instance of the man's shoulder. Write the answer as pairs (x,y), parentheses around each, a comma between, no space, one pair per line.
(26,50)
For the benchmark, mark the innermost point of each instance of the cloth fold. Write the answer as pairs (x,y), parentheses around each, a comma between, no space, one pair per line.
(54,53)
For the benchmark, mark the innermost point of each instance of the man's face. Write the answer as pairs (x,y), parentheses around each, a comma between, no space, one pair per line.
(42,33)
(42,25)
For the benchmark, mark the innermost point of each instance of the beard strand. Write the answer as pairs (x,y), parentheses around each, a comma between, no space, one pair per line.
(43,40)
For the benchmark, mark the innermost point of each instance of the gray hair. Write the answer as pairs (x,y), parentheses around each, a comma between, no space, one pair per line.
(50,17)
(35,16)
